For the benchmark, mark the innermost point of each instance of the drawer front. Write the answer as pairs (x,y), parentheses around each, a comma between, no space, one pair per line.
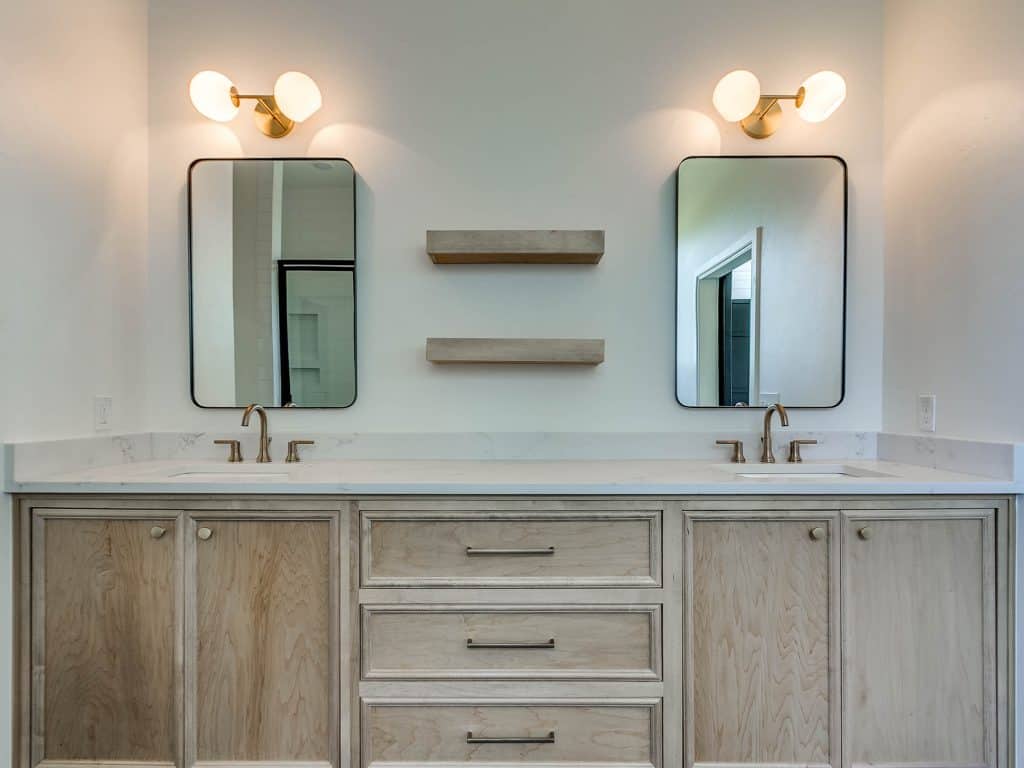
(578,733)
(500,549)
(549,642)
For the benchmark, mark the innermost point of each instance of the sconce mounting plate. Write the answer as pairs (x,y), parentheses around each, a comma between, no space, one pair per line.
(764,120)
(269,118)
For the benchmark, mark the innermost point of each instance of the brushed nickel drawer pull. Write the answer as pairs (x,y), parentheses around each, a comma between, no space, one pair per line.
(514,552)
(470,643)
(549,739)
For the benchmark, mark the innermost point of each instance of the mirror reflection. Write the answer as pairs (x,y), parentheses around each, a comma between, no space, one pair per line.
(272,249)
(760,271)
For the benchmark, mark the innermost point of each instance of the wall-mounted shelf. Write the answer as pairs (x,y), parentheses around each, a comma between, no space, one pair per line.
(528,351)
(515,246)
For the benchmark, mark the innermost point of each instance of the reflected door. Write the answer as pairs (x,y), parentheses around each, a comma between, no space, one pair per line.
(317,306)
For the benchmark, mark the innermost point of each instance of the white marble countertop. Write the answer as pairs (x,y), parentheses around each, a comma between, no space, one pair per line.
(656,477)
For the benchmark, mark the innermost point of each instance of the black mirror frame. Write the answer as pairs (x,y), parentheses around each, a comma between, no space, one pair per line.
(846,248)
(355,291)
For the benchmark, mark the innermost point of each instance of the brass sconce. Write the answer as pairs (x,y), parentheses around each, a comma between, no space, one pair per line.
(296,97)
(738,99)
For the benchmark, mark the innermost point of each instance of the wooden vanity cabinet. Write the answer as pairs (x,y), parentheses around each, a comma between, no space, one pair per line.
(762,641)
(707,632)
(105,622)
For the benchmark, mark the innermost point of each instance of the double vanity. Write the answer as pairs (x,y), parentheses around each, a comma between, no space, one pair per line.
(828,603)
(335,612)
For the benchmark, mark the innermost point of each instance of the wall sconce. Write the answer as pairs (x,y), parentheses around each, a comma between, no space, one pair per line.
(296,97)
(738,99)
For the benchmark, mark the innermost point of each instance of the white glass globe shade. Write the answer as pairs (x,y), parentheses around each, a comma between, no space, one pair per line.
(824,92)
(736,95)
(211,95)
(297,95)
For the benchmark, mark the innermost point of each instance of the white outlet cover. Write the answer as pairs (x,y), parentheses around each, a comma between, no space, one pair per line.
(102,412)
(926,413)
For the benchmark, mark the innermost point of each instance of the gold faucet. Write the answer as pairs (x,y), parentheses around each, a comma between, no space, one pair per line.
(264,457)
(767,456)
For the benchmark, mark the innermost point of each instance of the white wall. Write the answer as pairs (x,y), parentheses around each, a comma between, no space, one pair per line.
(954,194)
(480,113)
(73,207)
(73,200)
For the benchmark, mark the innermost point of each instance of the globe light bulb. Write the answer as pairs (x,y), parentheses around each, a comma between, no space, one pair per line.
(736,95)
(297,95)
(211,95)
(823,93)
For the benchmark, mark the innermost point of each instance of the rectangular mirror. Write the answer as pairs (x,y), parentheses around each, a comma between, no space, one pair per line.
(760,281)
(272,282)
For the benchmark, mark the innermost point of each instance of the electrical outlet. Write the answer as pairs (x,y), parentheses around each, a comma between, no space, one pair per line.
(926,413)
(769,398)
(102,413)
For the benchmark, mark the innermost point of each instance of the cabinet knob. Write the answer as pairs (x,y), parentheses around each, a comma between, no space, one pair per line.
(865,533)
(818,533)
(204,533)
(156,531)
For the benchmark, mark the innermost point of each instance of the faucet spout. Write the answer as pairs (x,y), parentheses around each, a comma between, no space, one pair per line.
(264,455)
(767,455)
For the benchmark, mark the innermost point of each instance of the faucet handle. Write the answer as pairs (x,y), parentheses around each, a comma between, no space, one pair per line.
(293,450)
(794,450)
(235,452)
(737,450)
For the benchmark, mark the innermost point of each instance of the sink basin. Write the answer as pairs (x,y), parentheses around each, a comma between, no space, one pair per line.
(231,476)
(809,471)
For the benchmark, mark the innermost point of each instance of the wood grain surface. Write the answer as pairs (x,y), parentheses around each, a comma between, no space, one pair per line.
(607,642)
(516,351)
(433,551)
(919,642)
(420,733)
(761,607)
(515,246)
(108,688)
(263,672)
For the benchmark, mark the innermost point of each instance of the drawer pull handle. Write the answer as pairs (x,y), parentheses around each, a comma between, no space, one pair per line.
(549,739)
(514,552)
(470,643)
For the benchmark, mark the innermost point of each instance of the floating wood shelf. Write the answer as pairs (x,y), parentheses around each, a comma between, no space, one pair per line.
(529,351)
(515,246)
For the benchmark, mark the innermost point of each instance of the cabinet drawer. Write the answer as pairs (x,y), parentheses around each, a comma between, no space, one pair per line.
(548,642)
(578,733)
(501,549)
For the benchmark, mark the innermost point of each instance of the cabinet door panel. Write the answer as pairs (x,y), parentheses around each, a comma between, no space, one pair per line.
(761,636)
(105,630)
(920,636)
(262,665)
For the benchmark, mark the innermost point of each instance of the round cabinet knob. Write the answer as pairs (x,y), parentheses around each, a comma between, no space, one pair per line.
(204,533)
(865,533)
(818,533)
(156,531)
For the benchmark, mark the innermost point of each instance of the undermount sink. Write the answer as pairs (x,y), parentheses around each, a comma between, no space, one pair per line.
(226,476)
(798,471)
